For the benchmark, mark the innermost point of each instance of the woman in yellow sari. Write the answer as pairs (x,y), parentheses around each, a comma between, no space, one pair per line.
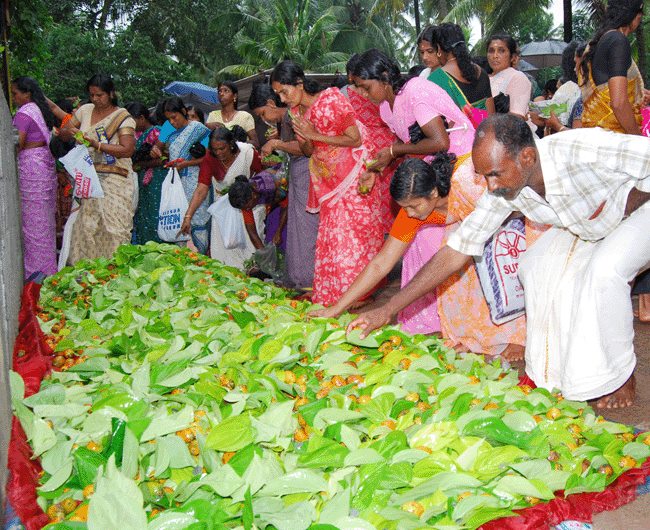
(612,86)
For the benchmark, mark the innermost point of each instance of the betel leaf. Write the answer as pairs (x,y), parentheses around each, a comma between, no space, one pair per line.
(517,485)
(48,395)
(495,430)
(231,434)
(298,481)
(435,436)
(391,444)
(323,453)
(58,479)
(579,484)
(330,415)
(378,408)
(637,450)
(87,464)
(243,458)
(116,503)
(247,512)
(362,456)
(354,338)
(42,436)
(448,482)
(298,516)
(169,520)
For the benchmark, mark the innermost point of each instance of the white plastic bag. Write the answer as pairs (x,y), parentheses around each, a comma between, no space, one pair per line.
(230,221)
(79,164)
(67,234)
(497,271)
(173,205)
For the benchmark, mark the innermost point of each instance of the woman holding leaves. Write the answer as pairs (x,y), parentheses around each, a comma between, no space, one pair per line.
(350,232)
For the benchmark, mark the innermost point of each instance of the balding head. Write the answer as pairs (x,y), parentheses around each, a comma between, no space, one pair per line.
(508,129)
(505,154)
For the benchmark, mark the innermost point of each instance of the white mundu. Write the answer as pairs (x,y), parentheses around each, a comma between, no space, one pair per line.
(579,310)
(577,276)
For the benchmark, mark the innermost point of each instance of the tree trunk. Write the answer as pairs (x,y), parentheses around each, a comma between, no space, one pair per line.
(568,20)
(416,10)
(103,19)
(443,10)
(640,44)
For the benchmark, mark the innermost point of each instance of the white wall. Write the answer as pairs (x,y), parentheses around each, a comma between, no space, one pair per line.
(11,277)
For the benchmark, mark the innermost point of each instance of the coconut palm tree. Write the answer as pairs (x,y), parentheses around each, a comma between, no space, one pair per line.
(368,24)
(286,29)
(494,15)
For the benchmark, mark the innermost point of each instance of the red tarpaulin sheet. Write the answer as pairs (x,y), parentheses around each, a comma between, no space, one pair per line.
(32,361)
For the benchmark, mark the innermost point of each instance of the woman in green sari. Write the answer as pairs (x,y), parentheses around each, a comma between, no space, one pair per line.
(151,175)
(466,82)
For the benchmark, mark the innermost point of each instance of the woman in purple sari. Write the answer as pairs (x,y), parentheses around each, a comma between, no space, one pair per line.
(37,176)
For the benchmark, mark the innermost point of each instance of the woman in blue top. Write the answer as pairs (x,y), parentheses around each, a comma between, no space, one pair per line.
(180,143)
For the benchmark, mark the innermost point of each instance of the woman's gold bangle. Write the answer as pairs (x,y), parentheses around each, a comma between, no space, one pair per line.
(391,152)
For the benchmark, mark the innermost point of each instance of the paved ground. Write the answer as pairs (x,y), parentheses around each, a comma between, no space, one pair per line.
(636,515)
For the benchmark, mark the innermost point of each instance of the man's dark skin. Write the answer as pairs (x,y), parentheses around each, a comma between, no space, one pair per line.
(506,177)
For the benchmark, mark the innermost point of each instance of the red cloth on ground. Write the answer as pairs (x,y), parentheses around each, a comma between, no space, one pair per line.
(579,507)
(32,362)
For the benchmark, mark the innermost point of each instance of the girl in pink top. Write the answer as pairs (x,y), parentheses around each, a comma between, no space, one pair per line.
(418,111)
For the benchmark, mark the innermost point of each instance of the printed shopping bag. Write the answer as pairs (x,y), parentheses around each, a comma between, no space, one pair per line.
(173,205)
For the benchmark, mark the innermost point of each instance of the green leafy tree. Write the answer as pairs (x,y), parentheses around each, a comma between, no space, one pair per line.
(494,15)
(198,33)
(534,25)
(139,71)
(28,52)
(286,29)
(368,24)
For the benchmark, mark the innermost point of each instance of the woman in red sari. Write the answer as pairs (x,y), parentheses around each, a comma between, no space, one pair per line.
(351,226)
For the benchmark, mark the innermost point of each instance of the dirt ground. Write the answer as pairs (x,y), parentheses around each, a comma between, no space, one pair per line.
(636,515)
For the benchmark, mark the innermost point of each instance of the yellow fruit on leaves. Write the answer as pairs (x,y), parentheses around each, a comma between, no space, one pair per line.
(56,513)
(413,507)
(300,435)
(80,514)
(69,505)
(627,462)
(93,446)
(553,413)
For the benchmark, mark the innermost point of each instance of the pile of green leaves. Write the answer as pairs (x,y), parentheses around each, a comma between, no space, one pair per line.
(207,400)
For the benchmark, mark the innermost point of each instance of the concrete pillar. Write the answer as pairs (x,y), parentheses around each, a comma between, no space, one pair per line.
(11,277)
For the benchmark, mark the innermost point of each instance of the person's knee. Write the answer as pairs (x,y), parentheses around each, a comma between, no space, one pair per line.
(603,273)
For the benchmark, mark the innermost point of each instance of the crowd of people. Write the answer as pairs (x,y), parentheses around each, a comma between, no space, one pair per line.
(384,167)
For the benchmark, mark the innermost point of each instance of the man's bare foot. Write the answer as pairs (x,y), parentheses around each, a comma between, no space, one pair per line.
(621,398)
(513,352)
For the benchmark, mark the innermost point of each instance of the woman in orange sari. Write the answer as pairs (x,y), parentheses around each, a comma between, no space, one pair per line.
(350,232)
(431,197)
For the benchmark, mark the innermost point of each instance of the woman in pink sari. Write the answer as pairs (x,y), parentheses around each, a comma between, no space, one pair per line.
(351,231)
(37,172)
(425,120)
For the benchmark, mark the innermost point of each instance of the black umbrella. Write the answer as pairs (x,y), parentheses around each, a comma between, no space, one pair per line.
(544,54)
